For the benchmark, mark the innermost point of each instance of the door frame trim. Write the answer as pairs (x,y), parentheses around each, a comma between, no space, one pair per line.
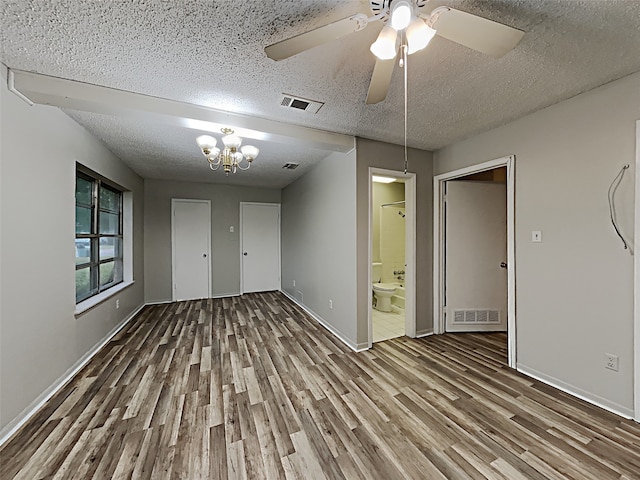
(438,241)
(409,254)
(240,232)
(636,282)
(174,201)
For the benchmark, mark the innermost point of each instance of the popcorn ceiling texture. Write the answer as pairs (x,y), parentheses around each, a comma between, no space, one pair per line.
(211,53)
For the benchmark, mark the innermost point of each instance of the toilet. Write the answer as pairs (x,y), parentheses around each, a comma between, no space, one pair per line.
(382,292)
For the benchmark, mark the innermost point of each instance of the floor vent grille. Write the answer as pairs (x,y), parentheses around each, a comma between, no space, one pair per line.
(482,316)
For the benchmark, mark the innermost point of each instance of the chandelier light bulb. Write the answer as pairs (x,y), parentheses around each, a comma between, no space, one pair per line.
(401,15)
(232,141)
(250,152)
(385,46)
(206,142)
(419,34)
(213,154)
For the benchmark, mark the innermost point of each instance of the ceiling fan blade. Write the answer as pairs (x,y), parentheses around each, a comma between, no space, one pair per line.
(305,41)
(475,32)
(380,80)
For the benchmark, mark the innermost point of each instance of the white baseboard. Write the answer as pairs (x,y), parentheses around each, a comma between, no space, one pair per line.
(589,397)
(424,333)
(355,347)
(12,427)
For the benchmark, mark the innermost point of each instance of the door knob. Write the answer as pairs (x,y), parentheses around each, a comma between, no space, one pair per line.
(245,254)
(503,265)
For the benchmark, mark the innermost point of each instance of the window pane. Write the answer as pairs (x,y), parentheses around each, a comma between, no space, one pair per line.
(109,199)
(117,271)
(83,219)
(83,250)
(106,273)
(83,191)
(109,223)
(109,247)
(83,284)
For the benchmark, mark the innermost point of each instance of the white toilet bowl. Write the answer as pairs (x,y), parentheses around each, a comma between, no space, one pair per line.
(383,292)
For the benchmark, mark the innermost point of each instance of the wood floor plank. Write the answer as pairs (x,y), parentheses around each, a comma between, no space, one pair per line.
(251,387)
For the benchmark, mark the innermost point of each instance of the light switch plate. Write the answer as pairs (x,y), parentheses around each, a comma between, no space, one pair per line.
(536,236)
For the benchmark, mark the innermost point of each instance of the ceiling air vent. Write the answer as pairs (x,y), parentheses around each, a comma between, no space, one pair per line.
(290,166)
(304,104)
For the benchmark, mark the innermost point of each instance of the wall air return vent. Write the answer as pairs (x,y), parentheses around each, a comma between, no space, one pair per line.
(290,166)
(476,316)
(298,103)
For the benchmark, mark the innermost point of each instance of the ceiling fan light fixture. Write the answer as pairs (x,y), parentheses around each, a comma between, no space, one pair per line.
(419,34)
(401,15)
(385,46)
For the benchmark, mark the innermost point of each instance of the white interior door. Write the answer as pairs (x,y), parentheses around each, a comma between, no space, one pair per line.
(475,256)
(260,244)
(191,248)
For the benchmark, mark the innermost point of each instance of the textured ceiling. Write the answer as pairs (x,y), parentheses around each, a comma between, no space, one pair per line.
(211,53)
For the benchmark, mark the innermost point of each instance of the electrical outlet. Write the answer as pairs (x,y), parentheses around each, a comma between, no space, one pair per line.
(117,304)
(611,362)
(330,304)
(294,283)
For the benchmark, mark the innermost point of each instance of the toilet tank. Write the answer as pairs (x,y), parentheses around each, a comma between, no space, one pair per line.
(376,272)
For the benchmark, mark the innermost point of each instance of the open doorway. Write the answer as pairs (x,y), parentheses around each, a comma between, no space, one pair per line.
(391,255)
(474,263)
(475,252)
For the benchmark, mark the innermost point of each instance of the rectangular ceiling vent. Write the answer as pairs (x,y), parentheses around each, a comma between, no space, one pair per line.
(298,103)
(290,166)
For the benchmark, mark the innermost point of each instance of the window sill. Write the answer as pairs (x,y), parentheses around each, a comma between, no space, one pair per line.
(89,303)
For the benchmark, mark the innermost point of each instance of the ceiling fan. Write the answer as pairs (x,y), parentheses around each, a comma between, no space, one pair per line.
(409,27)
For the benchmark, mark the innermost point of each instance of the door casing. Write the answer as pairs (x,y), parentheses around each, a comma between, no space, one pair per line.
(438,242)
(409,180)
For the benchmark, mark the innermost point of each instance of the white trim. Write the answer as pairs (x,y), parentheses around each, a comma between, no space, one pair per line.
(424,333)
(409,180)
(353,346)
(636,283)
(576,392)
(13,426)
(241,231)
(96,300)
(438,238)
(174,201)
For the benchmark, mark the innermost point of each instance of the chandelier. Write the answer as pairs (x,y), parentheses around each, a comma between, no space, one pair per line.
(230,157)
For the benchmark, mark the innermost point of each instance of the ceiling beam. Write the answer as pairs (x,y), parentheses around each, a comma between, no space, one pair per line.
(41,89)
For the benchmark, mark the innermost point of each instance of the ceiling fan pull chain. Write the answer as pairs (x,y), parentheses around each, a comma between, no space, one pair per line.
(406,67)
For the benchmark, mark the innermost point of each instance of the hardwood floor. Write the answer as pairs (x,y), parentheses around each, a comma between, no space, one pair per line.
(250,387)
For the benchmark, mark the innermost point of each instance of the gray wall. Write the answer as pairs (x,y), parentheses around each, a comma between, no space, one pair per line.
(40,337)
(225,245)
(575,289)
(384,155)
(319,243)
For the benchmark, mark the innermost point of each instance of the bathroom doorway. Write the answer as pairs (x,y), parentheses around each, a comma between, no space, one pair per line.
(392,255)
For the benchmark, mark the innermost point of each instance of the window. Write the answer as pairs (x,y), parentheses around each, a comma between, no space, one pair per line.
(99,242)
